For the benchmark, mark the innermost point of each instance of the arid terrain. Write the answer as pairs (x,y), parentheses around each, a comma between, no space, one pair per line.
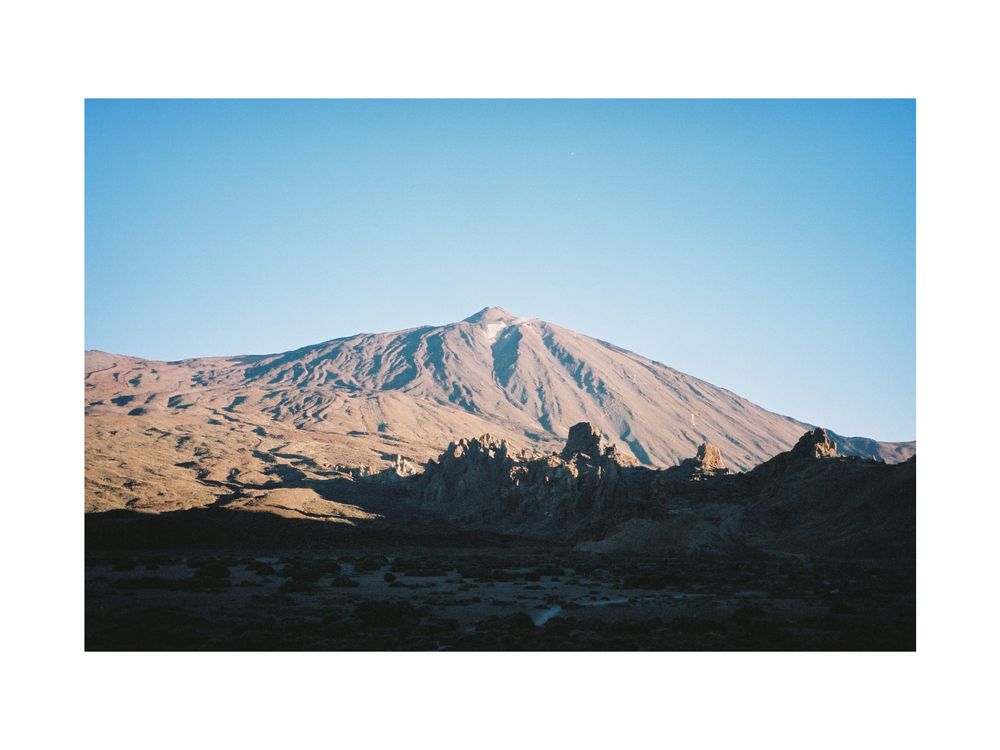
(171,435)
(497,483)
(504,599)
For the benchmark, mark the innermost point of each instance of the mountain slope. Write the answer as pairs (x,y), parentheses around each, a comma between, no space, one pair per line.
(362,400)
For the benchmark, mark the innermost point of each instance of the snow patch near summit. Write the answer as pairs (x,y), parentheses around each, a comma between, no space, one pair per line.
(492,330)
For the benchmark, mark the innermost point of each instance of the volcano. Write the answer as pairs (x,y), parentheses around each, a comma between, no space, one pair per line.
(159,434)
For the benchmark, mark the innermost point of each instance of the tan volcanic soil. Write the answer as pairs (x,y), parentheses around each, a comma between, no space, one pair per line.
(166,436)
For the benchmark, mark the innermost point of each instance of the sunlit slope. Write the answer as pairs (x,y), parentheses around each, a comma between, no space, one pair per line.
(365,399)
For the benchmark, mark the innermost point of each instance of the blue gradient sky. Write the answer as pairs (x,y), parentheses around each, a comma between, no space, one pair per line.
(764,246)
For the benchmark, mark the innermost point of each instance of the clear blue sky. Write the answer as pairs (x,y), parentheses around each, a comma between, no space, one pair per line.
(765,246)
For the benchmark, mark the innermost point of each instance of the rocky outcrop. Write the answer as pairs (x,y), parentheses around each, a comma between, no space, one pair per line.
(842,507)
(479,482)
(815,444)
(403,467)
(707,462)
(586,443)
(481,450)
(807,500)
(585,490)
(469,470)
(710,458)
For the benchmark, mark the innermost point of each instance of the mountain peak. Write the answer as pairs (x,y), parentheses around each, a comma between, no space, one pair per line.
(490,315)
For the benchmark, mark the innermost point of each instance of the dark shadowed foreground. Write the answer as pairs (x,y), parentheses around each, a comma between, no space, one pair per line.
(320,588)
(486,550)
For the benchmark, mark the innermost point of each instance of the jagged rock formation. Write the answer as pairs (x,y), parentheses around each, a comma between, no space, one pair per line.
(815,444)
(467,469)
(811,447)
(586,440)
(806,500)
(403,467)
(585,490)
(707,462)
(480,483)
(586,443)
